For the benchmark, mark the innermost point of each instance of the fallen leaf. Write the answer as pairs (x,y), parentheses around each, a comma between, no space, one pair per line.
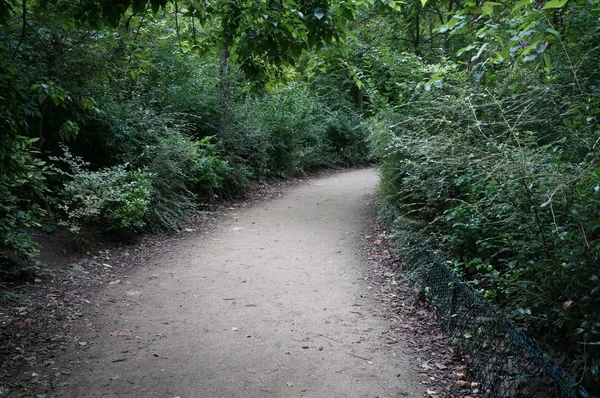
(370,362)
(114,282)
(116,377)
(567,304)
(76,267)
(441,366)
(289,384)
(463,384)
(83,343)
(234,329)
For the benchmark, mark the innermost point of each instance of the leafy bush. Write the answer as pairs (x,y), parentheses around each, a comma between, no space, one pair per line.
(22,179)
(112,198)
(290,131)
(513,202)
(21,186)
(345,139)
(182,171)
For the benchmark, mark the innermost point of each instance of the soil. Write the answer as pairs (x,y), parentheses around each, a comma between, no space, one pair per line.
(294,294)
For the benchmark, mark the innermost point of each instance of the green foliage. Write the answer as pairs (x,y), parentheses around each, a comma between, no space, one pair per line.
(259,36)
(22,181)
(182,170)
(292,131)
(486,131)
(504,179)
(21,186)
(112,198)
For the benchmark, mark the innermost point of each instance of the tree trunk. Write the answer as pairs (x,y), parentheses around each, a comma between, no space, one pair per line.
(225,93)
(417,36)
(359,100)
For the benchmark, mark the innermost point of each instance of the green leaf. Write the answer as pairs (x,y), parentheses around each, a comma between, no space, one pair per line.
(488,7)
(555,4)
(548,62)
(319,14)
(521,3)
(423,2)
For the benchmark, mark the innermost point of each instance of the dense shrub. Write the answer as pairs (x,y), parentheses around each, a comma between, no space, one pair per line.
(22,180)
(291,131)
(112,199)
(182,171)
(22,183)
(512,201)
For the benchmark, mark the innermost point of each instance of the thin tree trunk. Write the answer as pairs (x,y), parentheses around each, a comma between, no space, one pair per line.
(359,100)
(40,127)
(417,33)
(225,93)
(447,41)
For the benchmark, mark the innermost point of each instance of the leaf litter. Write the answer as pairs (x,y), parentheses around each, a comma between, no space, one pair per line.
(443,371)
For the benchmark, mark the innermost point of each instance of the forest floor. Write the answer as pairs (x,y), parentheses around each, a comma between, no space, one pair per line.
(295,296)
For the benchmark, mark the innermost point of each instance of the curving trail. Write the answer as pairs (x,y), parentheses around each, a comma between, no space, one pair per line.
(269,303)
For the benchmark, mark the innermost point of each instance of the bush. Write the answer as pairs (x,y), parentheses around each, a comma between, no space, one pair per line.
(183,171)
(112,198)
(512,202)
(22,179)
(22,184)
(345,139)
(291,131)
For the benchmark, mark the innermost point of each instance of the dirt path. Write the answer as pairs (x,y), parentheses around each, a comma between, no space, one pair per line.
(269,303)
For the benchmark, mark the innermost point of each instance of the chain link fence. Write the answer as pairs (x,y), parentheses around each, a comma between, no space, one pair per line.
(503,360)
